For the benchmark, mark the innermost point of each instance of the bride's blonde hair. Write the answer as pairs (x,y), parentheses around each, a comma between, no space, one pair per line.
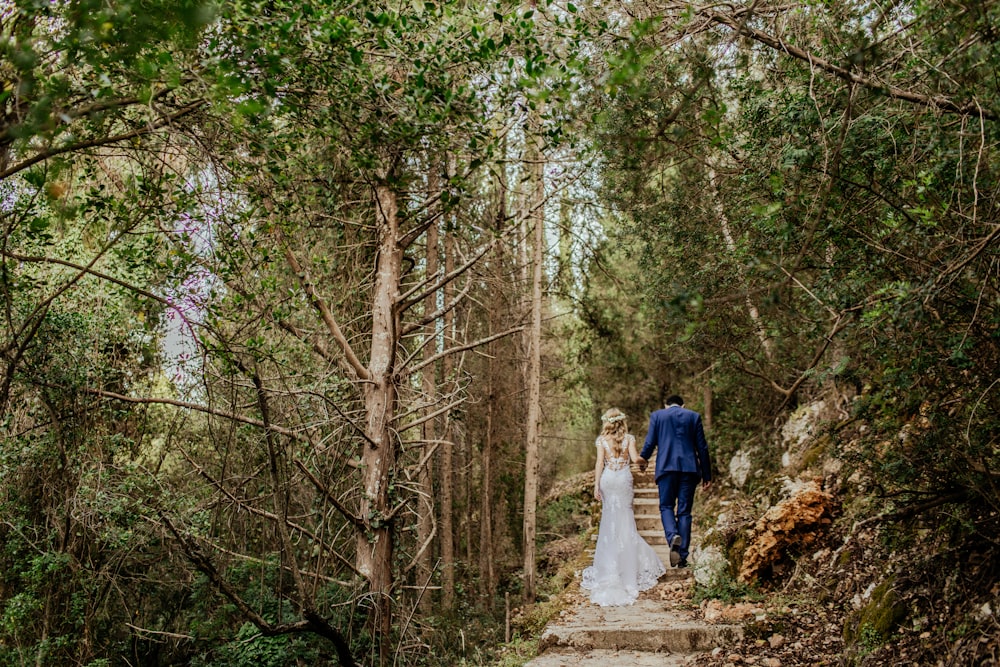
(615,427)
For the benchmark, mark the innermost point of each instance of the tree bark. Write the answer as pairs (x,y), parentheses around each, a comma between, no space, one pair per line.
(707,409)
(487,559)
(425,507)
(374,543)
(447,452)
(534,369)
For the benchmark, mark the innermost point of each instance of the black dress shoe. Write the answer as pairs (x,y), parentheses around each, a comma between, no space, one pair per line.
(675,555)
(682,563)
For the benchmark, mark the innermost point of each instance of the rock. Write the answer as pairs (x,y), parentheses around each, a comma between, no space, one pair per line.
(717,652)
(739,467)
(776,640)
(712,611)
(771,662)
(735,658)
(794,522)
(708,564)
(800,425)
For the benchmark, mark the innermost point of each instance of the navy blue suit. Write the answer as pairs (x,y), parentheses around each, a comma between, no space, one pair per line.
(682,461)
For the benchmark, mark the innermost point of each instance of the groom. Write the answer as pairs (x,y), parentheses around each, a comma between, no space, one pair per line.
(681,462)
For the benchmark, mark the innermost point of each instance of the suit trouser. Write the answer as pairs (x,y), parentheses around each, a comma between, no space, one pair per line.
(676,500)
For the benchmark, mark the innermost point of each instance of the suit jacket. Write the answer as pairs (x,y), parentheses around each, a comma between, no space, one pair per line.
(679,440)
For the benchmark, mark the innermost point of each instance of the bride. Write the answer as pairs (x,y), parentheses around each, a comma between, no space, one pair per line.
(624,564)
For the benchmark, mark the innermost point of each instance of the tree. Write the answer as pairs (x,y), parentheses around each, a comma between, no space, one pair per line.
(333,182)
(829,139)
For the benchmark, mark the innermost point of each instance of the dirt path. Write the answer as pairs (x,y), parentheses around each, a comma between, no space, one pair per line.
(662,629)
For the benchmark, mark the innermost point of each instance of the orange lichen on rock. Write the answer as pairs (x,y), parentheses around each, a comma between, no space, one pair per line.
(794,523)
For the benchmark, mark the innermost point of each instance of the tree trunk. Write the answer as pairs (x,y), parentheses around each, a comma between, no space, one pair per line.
(425,511)
(494,412)
(534,369)
(447,477)
(487,585)
(374,550)
(707,409)
(564,278)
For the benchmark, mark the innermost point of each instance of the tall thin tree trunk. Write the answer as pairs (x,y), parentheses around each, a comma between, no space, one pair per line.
(707,409)
(486,564)
(374,544)
(447,453)
(564,278)
(534,367)
(426,508)
(466,471)
(487,556)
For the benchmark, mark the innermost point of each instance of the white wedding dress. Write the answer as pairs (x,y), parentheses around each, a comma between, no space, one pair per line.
(624,565)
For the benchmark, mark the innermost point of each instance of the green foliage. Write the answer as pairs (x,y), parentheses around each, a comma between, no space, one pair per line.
(248,649)
(726,588)
(875,623)
(564,516)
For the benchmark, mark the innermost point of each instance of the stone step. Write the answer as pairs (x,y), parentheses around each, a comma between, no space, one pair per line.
(653,537)
(605,658)
(648,522)
(647,625)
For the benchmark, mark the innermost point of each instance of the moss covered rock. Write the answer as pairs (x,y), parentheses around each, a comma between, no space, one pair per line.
(873,625)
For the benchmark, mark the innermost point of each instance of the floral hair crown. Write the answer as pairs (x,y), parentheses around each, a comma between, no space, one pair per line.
(612,420)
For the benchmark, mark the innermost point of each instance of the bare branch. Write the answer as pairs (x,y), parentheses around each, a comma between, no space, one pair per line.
(431,415)
(148,400)
(323,489)
(331,323)
(408,300)
(439,313)
(104,141)
(312,621)
(462,348)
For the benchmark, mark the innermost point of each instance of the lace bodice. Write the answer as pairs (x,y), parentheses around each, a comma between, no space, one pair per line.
(612,462)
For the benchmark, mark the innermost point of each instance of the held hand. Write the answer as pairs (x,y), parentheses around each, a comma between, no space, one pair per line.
(642,464)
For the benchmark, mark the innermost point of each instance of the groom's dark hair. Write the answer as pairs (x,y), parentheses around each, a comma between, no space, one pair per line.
(674,399)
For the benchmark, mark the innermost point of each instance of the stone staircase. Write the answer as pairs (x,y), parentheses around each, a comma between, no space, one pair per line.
(661,629)
(646,506)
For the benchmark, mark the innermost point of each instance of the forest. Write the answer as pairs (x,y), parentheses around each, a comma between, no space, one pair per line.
(308,305)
